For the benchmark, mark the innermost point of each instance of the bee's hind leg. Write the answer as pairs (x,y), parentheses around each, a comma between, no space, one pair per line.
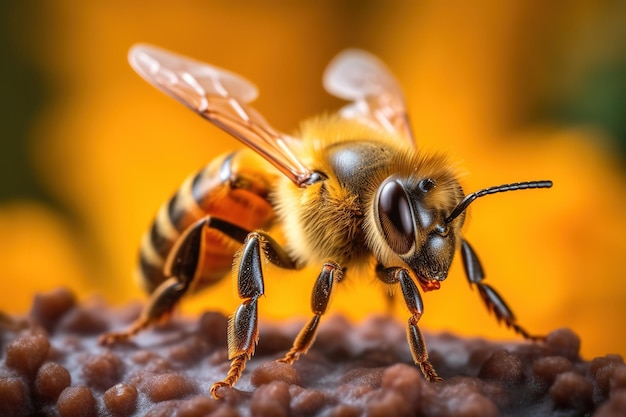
(243,327)
(162,302)
(493,301)
(182,267)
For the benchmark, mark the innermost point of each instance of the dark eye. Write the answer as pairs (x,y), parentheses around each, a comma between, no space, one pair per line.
(426,185)
(394,215)
(442,230)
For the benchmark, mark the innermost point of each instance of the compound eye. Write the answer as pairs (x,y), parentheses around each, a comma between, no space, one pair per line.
(395,217)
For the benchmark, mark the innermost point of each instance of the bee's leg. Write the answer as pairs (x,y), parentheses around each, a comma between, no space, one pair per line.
(413,300)
(159,307)
(183,269)
(493,301)
(243,328)
(322,289)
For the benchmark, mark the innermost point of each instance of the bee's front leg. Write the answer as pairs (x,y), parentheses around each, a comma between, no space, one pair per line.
(243,327)
(413,300)
(493,301)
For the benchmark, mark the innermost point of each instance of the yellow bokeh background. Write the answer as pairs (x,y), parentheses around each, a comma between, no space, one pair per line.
(111,149)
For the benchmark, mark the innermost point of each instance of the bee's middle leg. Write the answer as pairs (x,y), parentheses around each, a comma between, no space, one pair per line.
(320,297)
(413,300)
(243,327)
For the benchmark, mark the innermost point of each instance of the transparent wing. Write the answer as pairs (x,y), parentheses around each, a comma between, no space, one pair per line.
(220,97)
(376,96)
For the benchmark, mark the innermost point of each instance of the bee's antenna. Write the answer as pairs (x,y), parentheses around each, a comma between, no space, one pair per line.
(492,190)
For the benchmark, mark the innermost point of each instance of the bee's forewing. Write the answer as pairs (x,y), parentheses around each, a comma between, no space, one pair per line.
(187,80)
(219,96)
(376,96)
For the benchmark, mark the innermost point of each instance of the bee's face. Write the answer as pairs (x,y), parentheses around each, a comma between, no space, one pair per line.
(410,215)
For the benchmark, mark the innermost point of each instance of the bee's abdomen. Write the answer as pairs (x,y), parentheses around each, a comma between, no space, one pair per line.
(233,187)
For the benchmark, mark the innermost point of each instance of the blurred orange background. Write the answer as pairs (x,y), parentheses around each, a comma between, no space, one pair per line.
(513,91)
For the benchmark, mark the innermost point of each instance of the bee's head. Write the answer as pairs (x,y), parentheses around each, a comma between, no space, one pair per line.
(420,220)
(411,216)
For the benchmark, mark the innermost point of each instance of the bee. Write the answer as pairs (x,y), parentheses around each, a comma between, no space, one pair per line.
(350,193)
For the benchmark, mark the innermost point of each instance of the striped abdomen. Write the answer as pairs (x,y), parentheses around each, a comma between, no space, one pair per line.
(233,187)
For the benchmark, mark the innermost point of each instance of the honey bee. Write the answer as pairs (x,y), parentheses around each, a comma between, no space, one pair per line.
(350,193)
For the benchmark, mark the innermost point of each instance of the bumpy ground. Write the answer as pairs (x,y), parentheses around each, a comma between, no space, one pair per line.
(52,365)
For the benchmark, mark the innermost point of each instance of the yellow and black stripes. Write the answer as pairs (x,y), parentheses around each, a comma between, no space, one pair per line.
(171,221)
(224,190)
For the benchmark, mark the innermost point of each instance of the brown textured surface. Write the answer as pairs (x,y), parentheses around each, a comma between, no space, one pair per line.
(54,367)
